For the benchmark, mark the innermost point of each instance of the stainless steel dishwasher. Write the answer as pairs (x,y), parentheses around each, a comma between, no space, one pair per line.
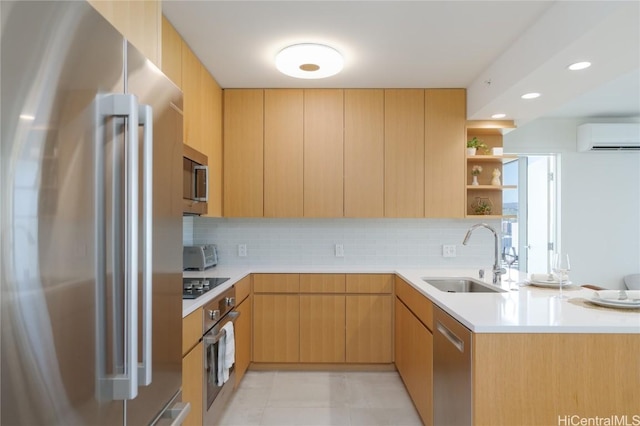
(451,371)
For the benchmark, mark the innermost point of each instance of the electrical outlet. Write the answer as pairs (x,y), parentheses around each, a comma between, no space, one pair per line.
(339,250)
(242,250)
(448,250)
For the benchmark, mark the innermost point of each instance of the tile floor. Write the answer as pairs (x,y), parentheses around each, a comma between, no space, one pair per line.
(282,398)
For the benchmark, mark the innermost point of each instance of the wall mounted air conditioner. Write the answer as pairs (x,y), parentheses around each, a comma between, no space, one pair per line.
(609,137)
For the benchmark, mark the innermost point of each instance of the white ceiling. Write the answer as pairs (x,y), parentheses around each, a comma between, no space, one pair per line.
(496,49)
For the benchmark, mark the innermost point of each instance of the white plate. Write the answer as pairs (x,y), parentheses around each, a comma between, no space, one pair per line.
(549,284)
(620,304)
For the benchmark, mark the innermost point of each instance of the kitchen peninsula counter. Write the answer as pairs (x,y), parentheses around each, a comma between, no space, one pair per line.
(529,310)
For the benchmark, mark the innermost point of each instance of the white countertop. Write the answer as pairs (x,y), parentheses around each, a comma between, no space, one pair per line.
(528,310)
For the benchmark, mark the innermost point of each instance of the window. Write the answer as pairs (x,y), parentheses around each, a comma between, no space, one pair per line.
(529,224)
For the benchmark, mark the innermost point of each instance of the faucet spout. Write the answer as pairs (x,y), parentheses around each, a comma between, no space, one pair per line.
(497,270)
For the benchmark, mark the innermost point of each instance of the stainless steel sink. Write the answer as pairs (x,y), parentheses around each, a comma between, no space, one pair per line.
(461,285)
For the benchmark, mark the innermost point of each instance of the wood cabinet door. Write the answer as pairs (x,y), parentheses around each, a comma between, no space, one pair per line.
(283,152)
(276,328)
(242,333)
(414,359)
(193,384)
(323,153)
(404,153)
(210,121)
(445,142)
(191,98)
(369,328)
(243,152)
(139,21)
(171,52)
(191,330)
(322,328)
(364,153)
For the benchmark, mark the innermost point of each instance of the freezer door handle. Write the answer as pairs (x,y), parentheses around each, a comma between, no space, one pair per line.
(117,336)
(145,115)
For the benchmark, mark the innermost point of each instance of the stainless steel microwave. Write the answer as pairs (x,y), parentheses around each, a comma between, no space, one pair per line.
(195,182)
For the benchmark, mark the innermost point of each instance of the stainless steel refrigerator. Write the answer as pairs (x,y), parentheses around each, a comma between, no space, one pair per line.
(90,178)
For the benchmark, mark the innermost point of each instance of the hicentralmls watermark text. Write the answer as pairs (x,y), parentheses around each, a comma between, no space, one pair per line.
(615,420)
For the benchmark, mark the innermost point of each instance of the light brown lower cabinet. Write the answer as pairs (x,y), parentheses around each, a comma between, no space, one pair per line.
(192,370)
(414,346)
(242,334)
(369,328)
(192,384)
(414,359)
(322,330)
(323,318)
(276,328)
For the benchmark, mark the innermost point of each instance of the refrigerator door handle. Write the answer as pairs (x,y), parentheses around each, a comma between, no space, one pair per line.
(120,380)
(146,121)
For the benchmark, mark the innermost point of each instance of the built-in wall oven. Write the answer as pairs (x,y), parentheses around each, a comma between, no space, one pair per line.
(217,313)
(195,182)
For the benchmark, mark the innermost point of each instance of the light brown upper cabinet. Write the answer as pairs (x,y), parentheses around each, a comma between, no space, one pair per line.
(191,98)
(139,21)
(364,153)
(445,112)
(210,122)
(404,153)
(283,152)
(345,153)
(323,152)
(243,152)
(171,52)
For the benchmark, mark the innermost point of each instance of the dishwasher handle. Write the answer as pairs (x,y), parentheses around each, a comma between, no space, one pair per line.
(450,336)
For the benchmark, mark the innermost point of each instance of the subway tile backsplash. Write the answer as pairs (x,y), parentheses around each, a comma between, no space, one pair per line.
(366,242)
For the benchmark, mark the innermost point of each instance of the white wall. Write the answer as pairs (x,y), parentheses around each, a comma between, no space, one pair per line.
(599,200)
(384,243)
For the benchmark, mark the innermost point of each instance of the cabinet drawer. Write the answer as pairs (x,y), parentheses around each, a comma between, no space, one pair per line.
(276,283)
(369,283)
(419,304)
(322,283)
(242,289)
(191,330)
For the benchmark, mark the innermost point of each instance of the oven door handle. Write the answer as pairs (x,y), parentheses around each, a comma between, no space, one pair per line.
(211,339)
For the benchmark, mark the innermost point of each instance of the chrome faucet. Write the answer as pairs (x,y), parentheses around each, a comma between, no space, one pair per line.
(497,270)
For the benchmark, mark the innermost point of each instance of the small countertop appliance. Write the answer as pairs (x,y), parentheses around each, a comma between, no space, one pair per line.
(199,258)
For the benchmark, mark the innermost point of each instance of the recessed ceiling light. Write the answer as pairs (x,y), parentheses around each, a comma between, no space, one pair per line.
(308,60)
(579,66)
(27,117)
(499,115)
(531,95)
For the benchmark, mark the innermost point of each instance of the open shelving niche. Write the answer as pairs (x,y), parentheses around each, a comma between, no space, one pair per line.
(490,133)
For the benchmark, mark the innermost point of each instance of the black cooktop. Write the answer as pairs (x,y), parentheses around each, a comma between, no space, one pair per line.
(193,288)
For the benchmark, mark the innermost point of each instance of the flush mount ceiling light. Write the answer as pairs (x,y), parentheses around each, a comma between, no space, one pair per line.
(579,66)
(531,95)
(499,115)
(308,60)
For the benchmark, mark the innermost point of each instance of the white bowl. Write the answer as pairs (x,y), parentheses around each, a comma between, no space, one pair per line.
(632,281)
